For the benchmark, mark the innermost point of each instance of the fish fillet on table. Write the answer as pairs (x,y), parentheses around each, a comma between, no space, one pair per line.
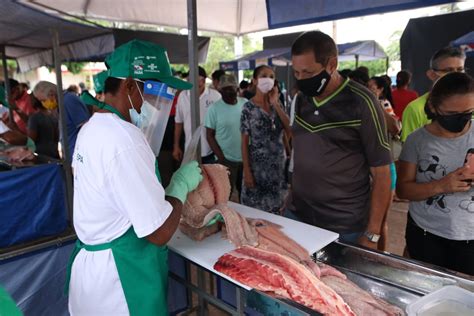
(267,259)
(278,274)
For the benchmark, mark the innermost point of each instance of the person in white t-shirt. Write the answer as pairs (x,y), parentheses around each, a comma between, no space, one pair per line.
(122,215)
(207,97)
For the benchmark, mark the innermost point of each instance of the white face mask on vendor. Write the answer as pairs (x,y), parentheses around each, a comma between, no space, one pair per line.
(142,119)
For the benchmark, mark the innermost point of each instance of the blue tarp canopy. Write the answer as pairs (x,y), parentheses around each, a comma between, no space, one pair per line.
(362,50)
(466,42)
(283,13)
(272,56)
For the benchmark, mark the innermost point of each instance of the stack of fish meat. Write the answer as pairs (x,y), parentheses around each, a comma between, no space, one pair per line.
(267,259)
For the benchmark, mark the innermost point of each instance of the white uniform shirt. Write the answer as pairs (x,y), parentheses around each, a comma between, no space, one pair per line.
(115,187)
(183,115)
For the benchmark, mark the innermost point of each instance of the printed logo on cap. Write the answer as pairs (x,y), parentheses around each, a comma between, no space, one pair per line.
(138,65)
(151,65)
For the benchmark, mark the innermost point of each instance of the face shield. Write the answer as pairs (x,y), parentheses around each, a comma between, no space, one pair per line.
(157,101)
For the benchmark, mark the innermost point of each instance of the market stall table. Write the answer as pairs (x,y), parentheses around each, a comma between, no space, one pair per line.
(395,279)
(206,252)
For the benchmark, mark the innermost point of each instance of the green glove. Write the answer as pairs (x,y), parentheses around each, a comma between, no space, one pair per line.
(215,219)
(184,180)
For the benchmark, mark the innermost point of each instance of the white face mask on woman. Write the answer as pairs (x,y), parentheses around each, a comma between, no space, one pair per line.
(265,84)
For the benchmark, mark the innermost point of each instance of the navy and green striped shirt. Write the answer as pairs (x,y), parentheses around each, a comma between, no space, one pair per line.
(336,141)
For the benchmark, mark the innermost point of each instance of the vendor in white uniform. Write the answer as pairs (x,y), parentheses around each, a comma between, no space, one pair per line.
(122,215)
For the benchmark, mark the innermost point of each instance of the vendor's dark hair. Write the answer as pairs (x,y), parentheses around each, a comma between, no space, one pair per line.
(322,46)
(259,69)
(403,78)
(447,86)
(112,85)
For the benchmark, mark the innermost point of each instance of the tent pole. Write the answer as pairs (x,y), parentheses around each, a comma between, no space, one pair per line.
(62,125)
(288,69)
(357,60)
(387,63)
(7,82)
(193,67)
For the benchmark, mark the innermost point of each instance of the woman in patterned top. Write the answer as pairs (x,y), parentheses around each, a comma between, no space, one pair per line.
(262,124)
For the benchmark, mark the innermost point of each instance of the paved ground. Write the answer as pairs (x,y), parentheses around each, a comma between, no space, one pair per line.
(397,220)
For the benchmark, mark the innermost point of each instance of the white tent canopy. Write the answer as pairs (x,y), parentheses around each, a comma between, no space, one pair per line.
(222,16)
(235,17)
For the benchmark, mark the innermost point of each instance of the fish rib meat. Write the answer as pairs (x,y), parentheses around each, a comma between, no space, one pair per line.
(278,274)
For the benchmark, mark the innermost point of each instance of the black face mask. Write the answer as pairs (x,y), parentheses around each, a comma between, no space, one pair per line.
(454,123)
(315,85)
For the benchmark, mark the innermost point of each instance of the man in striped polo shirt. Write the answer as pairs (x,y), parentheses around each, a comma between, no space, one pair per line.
(341,179)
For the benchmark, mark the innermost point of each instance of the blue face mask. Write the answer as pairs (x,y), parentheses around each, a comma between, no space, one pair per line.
(135,117)
(142,119)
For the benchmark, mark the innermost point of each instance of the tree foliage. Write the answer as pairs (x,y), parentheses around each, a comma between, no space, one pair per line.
(376,67)
(74,67)
(393,49)
(221,48)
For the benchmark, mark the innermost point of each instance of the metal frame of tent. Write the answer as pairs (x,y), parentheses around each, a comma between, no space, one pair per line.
(18,46)
(192,40)
(359,51)
(277,16)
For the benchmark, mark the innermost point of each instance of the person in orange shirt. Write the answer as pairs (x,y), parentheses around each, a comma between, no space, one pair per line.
(21,105)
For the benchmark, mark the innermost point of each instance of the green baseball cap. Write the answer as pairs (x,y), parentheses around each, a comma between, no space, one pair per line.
(143,60)
(99,81)
(89,100)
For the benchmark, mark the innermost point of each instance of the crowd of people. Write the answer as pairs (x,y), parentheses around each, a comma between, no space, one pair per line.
(327,159)
(338,137)
(35,117)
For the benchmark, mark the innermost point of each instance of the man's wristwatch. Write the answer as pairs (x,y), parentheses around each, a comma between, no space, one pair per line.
(371,236)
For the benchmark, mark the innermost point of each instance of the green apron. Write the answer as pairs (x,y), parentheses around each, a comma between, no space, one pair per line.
(142,267)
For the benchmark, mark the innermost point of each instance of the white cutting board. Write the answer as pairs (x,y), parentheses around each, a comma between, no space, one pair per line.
(206,252)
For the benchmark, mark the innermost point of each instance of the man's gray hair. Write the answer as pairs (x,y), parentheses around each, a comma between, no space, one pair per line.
(43,88)
(444,53)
